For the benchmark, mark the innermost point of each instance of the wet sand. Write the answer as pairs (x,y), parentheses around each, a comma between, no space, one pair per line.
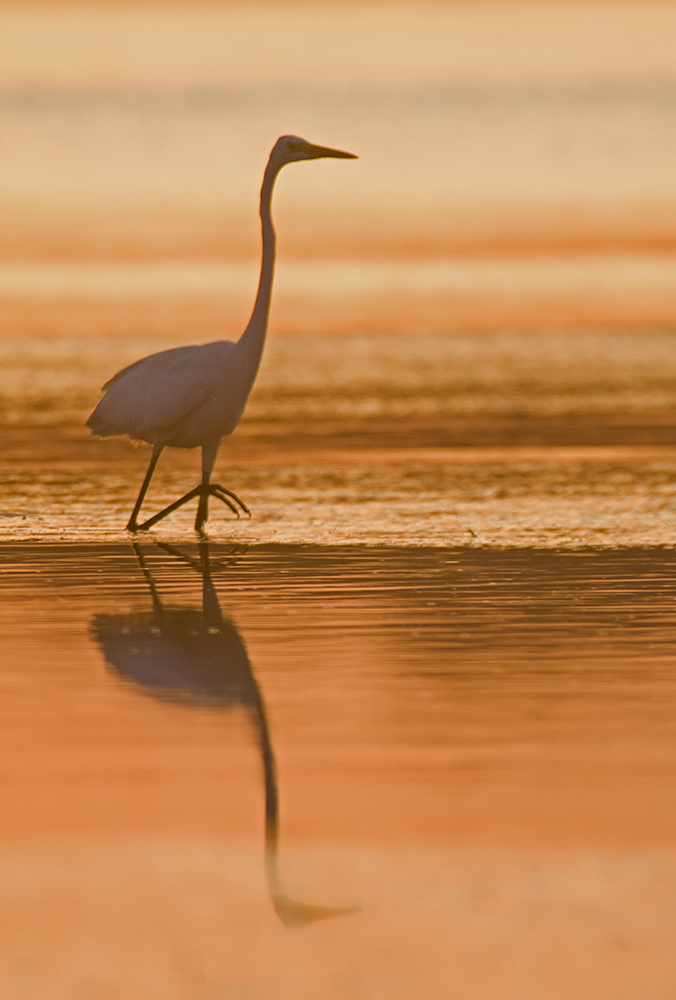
(421,439)
(570,496)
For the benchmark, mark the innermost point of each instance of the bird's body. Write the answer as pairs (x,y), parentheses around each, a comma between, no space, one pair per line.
(178,398)
(194,396)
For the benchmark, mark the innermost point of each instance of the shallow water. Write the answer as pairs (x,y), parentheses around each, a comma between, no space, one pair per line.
(336,772)
(503,438)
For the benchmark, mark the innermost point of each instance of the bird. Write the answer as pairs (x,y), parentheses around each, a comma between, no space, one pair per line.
(196,657)
(194,396)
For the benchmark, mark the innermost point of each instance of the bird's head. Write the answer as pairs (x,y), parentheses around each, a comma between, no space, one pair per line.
(290,148)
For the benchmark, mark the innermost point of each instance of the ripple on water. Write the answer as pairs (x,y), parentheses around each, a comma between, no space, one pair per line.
(436,752)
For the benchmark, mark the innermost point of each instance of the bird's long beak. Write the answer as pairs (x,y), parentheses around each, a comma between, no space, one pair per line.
(315,152)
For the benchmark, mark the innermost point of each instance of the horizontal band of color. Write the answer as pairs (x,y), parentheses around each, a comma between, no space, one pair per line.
(333,42)
(567,454)
(517,275)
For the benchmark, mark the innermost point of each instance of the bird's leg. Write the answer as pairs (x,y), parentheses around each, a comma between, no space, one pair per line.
(202,507)
(197,492)
(203,491)
(133,524)
(209,453)
(169,510)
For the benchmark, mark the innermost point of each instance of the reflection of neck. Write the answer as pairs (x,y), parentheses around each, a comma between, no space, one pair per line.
(291,912)
(252,340)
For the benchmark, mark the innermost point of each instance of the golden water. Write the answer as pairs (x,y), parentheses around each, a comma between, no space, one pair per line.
(409,439)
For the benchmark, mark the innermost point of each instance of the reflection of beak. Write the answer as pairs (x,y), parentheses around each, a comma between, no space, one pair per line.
(293,914)
(315,152)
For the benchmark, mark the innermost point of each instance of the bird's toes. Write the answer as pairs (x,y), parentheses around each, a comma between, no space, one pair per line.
(227,496)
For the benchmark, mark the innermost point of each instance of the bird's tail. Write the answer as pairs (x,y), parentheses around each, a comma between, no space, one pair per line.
(101,427)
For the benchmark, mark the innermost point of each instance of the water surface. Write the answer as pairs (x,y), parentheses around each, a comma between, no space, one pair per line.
(328,772)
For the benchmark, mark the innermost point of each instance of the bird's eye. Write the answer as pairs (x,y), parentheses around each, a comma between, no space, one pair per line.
(295,147)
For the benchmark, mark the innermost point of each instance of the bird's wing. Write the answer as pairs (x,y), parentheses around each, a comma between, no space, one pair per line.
(124,371)
(158,391)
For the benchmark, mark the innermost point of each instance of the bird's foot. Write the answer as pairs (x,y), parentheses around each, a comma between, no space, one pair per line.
(222,493)
(167,510)
(202,491)
(226,496)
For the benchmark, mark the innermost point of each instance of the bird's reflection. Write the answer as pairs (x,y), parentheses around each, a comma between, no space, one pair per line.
(197,657)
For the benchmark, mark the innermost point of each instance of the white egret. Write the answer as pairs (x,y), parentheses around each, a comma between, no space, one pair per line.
(194,396)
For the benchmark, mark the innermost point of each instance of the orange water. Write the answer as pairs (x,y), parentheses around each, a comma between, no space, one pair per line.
(474,755)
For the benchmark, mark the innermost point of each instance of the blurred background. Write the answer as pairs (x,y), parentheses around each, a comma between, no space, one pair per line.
(517,165)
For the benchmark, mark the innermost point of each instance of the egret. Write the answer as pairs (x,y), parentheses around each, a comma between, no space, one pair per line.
(194,396)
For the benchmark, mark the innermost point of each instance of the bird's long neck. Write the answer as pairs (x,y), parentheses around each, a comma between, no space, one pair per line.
(253,339)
